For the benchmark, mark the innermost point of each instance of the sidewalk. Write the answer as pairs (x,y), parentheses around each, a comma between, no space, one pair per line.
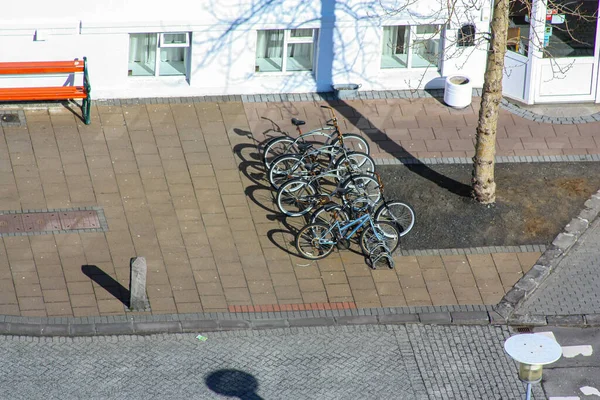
(180,184)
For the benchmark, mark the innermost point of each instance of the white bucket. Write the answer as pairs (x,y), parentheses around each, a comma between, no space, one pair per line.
(458,91)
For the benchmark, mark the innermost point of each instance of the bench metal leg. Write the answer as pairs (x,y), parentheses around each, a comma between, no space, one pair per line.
(86,110)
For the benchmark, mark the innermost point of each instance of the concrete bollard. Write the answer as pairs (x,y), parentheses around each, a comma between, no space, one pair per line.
(138,300)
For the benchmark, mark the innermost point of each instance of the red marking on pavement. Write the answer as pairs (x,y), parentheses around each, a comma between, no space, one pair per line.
(346,305)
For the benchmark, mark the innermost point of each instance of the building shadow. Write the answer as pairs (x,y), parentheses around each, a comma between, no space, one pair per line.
(375,135)
(107,283)
(233,383)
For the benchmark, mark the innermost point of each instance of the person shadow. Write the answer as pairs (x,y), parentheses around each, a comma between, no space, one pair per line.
(233,383)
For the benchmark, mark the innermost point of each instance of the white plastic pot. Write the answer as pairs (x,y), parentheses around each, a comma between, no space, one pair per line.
(458,91)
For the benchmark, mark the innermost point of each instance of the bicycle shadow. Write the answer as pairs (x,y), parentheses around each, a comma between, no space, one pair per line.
(254,170)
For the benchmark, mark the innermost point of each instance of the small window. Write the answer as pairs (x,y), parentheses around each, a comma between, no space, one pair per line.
(466,36)
(285,50)
(174,40)
(411,46)
(158,54)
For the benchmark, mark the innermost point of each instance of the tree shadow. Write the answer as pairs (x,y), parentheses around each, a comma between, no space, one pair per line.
(375,134)
(233,383)
(108,283)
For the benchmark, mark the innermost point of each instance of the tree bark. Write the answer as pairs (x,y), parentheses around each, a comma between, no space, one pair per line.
(484,186)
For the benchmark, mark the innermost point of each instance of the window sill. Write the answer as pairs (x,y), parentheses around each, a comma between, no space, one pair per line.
(277,73)
(158,78)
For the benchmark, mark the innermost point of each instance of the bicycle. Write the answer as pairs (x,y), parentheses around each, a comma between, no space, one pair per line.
(281,145)
(397,212)
(316,241)
(305,164)
(299,196)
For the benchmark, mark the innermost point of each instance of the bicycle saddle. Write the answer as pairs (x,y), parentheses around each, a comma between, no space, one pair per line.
(297,122)
(303,147)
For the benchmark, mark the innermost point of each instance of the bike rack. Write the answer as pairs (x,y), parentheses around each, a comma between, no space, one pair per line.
(383,254)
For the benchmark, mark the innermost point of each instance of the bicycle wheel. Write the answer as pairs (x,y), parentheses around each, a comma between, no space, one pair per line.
(328,214)
(354,142)
(353,162)
(379,233)
(277,147)
(315,241)
(296,197)
(361,186)
(397,212)
(285,168)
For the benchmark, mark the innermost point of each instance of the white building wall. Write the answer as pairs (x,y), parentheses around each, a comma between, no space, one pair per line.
(223,44)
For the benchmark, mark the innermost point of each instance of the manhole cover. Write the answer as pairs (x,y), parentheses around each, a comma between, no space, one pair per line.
(10,118)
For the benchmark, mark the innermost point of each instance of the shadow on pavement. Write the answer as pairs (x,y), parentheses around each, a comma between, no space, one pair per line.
(233,383)
(391,147)
(108,283)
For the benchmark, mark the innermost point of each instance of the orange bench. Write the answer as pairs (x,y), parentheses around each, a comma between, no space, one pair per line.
(48,93)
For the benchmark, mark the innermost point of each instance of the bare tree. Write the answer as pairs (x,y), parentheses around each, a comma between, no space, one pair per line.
(484,185)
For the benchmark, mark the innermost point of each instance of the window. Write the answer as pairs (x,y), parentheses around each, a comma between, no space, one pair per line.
(570,29)
(411,46)
(466,36)
(162,54)
(285,50)
(517,38)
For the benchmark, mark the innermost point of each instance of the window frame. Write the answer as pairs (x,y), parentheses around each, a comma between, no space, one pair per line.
(287,40)
(161,40)
(160,45)
(412,37)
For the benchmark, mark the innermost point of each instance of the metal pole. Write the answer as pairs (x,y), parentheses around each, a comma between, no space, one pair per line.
(528,396)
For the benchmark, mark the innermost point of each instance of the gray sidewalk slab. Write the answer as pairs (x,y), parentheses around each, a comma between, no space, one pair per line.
(574,287)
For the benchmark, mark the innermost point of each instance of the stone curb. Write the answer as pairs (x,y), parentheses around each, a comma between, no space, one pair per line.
(547,263)
(239,321)
(499,159)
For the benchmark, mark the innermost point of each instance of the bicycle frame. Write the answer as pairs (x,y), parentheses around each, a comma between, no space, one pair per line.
(329,171)
(359,223)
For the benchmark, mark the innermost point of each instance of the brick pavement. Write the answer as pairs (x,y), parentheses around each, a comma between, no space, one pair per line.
(180,185)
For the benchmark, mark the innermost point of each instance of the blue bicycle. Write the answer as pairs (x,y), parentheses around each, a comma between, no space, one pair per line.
(316,241)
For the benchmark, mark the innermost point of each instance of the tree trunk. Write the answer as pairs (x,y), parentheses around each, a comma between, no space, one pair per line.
(484,186)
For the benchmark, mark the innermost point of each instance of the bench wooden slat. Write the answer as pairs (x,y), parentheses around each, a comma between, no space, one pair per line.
(43,93)
(52,92)
(41,67)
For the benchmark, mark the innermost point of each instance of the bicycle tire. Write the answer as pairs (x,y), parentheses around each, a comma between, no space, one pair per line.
(290,197)
(285,168)
(276,147)
(397,212)
(309,237)
(354,142)
(363,185)
(325,215)
(358,163)
(386,233)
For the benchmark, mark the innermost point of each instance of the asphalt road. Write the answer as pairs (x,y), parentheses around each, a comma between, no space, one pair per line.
(576,375)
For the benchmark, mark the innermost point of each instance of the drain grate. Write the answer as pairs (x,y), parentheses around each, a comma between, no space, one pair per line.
(523,329)
(12,118)
(52,221)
